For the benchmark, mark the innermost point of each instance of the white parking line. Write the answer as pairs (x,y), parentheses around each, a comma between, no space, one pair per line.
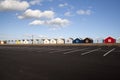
(109,52)
(75,50)
(60,50)
(90,51)
(43,50)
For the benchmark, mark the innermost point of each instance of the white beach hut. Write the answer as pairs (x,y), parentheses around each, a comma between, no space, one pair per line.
(98,40)
(60,41)
(21,41)
(53,41)
(46,41)
(7,41)
(69,41)
(26,41)
(118,40)
(35,41)
(12,42)
(38,41)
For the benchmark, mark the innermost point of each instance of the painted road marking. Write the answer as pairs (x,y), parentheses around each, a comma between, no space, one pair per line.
(45,49)
(75,50)
(60,50)
(109,52)
(90,51)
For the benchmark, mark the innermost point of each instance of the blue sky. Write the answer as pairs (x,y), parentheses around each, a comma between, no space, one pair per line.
(19,19)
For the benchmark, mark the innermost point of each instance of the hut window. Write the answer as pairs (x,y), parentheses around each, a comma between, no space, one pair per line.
(8,40)
(77,41)
(109,40)
(67,40)
(87,41)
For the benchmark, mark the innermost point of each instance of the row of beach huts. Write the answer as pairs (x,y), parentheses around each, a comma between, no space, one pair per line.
(61,41)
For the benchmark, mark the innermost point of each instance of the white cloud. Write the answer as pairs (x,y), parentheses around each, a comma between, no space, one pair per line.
(48,14)
(37,22)
(63,5)
(36,14)
(70,7)
(84,12)
(8,5)
(68,14)
(53,23)
(34,2)
(58,22)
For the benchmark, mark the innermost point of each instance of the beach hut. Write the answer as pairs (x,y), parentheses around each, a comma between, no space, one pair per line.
(1,42)
(69,41)
(26,41)
(30,41)
(35,41)
(38,41)
(17,41)
(98,40)
(46,41)
(41,41)
(88,40)
(22,41)
(60,41)
(118,40)
(53,41)
(109,40)
(77,41)
(12,42)
(7,41)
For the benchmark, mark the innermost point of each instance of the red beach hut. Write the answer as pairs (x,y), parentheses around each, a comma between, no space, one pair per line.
(109,40)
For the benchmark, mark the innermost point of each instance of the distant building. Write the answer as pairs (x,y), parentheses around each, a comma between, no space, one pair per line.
(69,41)
(8,41)
(88,40)
(109,40)
(22,41)
(26,41)
(60,41)
(40,41)
(17,41)
(53,41)
(12,42)
(98,40)
(77,40)
(46,41)
(36,41)
(118,40)
(2,42)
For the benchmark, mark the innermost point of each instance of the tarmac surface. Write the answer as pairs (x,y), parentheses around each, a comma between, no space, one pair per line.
(59,62)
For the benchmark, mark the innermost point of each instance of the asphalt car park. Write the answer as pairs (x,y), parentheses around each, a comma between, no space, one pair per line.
(59,62)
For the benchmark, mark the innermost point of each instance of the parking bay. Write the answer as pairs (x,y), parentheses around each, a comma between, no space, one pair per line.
(59,63)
